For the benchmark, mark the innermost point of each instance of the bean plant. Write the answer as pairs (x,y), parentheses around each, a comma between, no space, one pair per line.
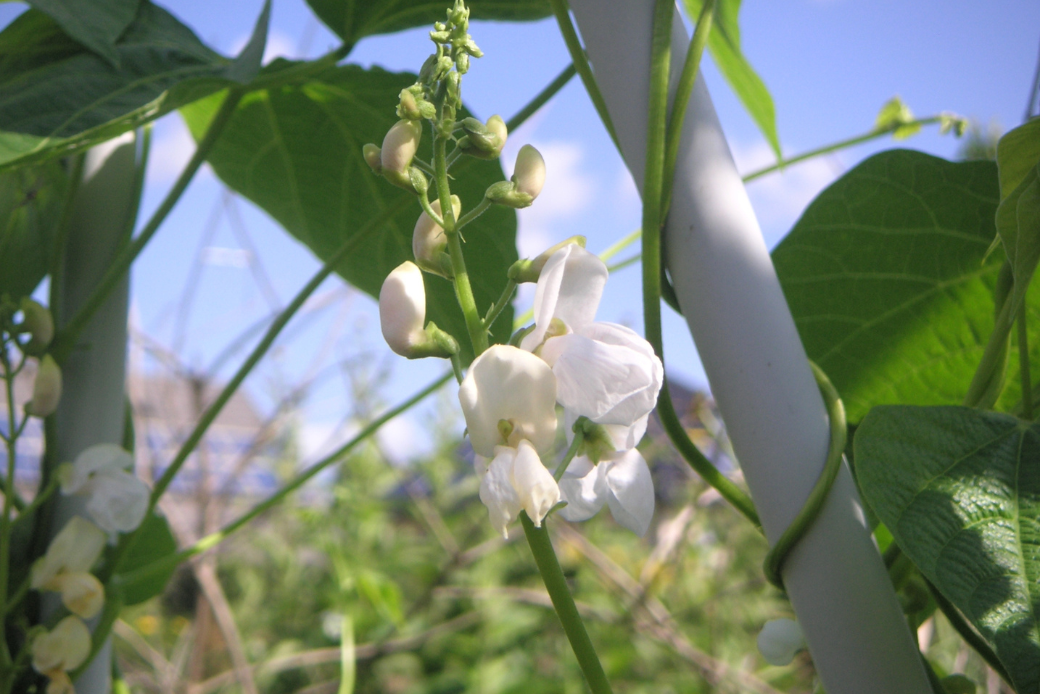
(908,279)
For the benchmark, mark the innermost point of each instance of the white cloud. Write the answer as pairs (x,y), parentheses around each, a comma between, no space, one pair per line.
(780,198)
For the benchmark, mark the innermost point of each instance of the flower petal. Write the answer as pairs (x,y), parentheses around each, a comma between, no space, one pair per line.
(780,640)
(104,456)
(534,484)
(496,490)
(569,288)
(632,499)
(584,488)
(118,500)
(608,383)
(507,383)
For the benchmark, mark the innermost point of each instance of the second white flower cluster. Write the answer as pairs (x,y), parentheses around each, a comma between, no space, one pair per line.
(601,371)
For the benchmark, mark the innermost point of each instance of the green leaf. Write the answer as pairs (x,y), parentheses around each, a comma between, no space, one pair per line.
(352,20)
(30,207)
(960,490)
(296,152)
(1018,223)
(57,98)
(95,24)
(155,542)
(1018,151)
(884,277)
(724,44)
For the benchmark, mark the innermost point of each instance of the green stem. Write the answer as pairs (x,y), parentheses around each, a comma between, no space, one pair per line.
(579,439)
(682,98)
(5,520)
(621,265)
(994,353)
(538,101)
(463,290)
(563,603)
(581,63)
(61,236)
(66,339)
(211,413)
(212,540)
(827,149)
(620,245)
(424,203)
(480,209)
(500,305)
(1023,364)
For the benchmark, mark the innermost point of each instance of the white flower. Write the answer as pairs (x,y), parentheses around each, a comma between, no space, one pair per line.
(428,239)
(621,481)
(604,371)
(63,648)
(400,145)
(82,593)
(529,172)
(73,550)
(118,500)
(402,308)
(509,395)
(779,640)
(46,388)
(516,479)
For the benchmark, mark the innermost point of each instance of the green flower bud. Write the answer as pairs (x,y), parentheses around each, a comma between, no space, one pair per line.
(484,141)
(505,193)
(39,324)
(462,62)
(46,389)
(408,107)
(373,157)
(470,46)
(444,66)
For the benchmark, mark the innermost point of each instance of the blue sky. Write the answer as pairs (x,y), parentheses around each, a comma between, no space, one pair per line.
(830,64)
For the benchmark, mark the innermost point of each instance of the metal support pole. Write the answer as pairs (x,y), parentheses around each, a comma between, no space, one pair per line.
(92,408)
(756,364)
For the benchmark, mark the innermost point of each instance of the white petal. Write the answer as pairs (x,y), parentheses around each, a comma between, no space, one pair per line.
(632,491)
(609,384)
(534,484)
(65,647)
(74,549)
(104,456)
(118,501)
(497,493)
(507,383)
(584,488)
(402,308)
(569,288)
(779,640)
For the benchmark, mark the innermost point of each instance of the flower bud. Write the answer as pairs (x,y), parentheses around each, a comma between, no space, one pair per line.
(429,242)
(46,388)
(63,648)
(462,62)
(525,270)
(399,147)
(779,640)
(81,592)
(373,157)
(409,107)
(39,324)
(402,308)
(484,141)
(529,172)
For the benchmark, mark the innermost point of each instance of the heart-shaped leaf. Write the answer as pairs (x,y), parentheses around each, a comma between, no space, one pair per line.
(885,278)
(296,152)
(960,490)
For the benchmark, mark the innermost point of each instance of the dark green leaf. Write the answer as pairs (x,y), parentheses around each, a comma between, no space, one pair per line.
(884,276)
(1018,151)
(30,206)
(1018,223)
(724,44)
(960,490)
(296,152)
(155,542)
(56,97)
(353,19)
(96,24)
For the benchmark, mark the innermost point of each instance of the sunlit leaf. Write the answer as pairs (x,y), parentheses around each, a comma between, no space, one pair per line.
(1018,151)
(960,490)
(57,97)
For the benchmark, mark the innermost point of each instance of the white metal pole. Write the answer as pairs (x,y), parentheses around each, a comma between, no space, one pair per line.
(730,295)
(92,408)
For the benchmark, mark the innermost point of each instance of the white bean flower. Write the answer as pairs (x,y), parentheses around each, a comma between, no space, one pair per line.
(621,481)
(117,499)
(65,567)
(516,479)
(604,371)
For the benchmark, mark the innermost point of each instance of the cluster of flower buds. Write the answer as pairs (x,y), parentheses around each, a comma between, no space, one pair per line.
(30,327)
